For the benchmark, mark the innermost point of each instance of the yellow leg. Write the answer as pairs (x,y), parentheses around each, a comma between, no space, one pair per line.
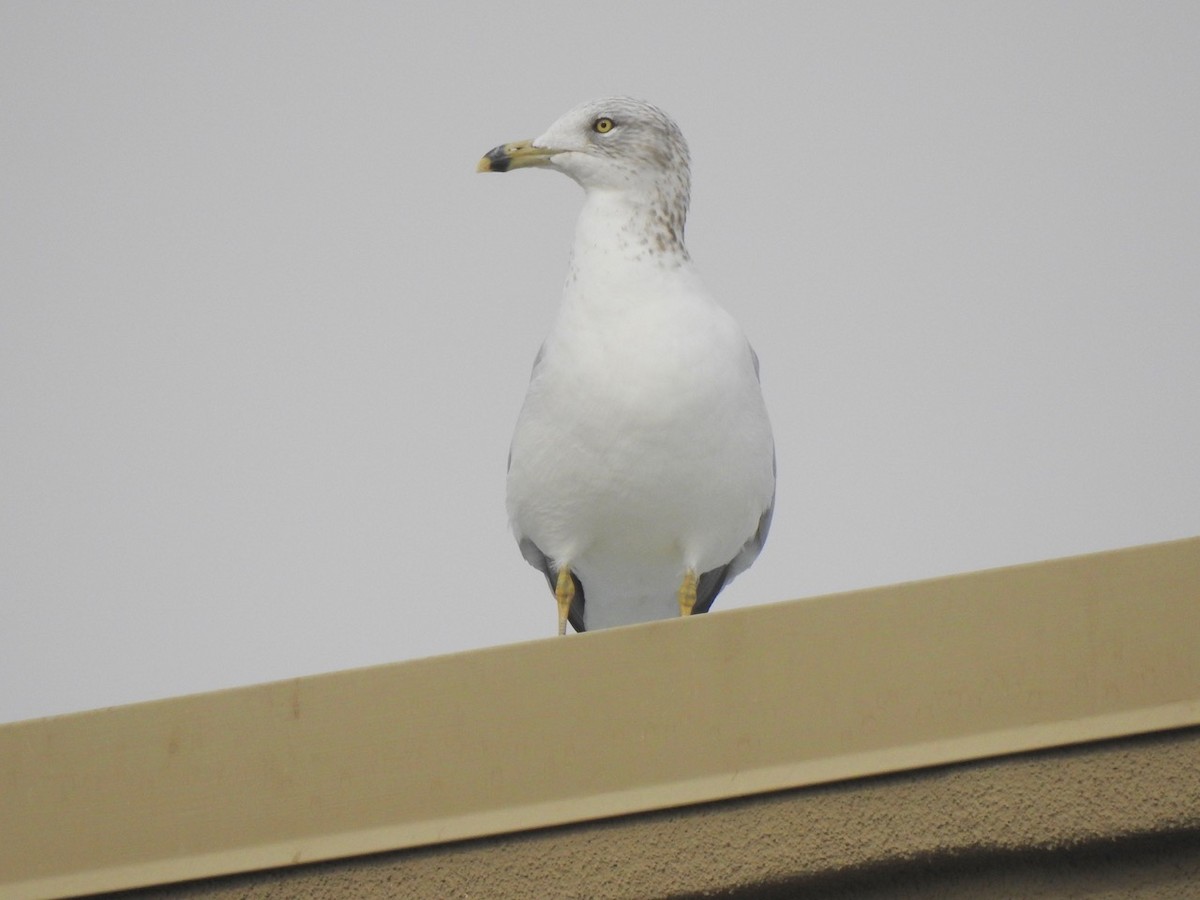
(687,593)
(564,593)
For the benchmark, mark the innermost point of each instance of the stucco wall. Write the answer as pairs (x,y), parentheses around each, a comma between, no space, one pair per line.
(1112,819)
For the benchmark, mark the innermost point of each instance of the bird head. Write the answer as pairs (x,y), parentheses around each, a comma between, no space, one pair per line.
(611,144)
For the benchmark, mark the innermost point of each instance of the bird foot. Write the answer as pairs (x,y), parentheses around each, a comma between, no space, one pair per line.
(564,593)
(687,593)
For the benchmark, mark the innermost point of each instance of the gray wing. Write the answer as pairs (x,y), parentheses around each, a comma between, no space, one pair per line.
(536,558)
(709,584)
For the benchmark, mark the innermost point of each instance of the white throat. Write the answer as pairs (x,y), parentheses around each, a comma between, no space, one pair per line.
(624,235)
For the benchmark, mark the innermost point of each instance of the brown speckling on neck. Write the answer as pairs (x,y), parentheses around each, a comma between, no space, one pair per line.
(638,177)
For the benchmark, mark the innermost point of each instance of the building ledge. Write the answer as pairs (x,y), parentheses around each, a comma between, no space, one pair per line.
(635,720)
(1109,818)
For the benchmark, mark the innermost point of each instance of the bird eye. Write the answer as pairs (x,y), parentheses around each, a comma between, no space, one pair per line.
(603,125)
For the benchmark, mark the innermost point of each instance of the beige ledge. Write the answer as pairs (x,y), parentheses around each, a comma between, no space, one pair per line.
(633,720)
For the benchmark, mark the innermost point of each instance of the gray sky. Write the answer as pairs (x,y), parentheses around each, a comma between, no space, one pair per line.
(264,332)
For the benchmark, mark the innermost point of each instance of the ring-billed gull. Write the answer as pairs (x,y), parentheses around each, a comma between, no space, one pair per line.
(641,475)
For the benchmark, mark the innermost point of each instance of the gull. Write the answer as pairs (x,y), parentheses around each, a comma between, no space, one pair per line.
(641,475)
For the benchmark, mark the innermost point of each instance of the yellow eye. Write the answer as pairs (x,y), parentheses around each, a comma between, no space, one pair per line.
(603,125)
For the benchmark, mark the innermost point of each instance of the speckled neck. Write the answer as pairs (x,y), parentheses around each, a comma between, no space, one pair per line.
(626,231)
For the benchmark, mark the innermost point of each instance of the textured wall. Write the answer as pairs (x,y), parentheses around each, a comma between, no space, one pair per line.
(1114,819)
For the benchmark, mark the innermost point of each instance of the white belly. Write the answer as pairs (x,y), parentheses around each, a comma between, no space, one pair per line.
(635,460)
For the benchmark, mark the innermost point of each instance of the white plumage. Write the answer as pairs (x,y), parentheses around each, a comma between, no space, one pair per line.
(643,455)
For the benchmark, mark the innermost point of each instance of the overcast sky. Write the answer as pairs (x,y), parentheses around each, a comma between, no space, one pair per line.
(264,332)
